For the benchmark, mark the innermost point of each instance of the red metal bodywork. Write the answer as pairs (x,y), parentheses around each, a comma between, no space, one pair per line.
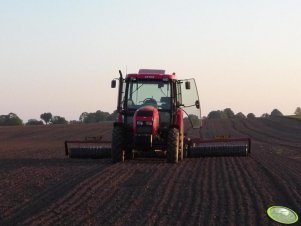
(119,117)
(151,76)
(180,122)
(154,118)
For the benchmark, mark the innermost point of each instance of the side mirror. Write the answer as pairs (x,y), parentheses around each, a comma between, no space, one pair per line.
(197,104)
(187,85)
(113,83)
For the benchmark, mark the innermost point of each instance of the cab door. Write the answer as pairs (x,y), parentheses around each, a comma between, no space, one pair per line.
(188,98)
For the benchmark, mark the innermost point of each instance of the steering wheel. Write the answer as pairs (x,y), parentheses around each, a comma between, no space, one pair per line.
(150,101)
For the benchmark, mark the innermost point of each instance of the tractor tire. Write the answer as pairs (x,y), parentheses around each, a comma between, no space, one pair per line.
(117,145)
(129,155)
(173,146)
(181,146)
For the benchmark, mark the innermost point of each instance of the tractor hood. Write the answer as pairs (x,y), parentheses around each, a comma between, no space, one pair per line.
(146,120)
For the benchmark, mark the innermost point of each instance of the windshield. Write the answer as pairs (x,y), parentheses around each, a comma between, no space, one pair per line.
(143,92)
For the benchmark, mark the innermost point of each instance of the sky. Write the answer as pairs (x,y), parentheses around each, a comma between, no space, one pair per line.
(60,56)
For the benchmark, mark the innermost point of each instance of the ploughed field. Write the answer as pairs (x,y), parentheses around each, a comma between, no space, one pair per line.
(40,186)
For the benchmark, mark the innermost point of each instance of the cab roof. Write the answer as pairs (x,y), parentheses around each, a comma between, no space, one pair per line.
(152,74)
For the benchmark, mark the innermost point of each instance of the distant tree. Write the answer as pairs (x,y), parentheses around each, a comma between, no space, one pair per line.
(3,120)
(195,120)
(34,122)
(276,112)
(229,113)
(83,116)
(216,115)
(226,113)
(192,121)
(94,117)
(251,115)
(58,120)
(46,117)
(240,115)
(113,116)
(298,111)
(90,118)
(265,115)
(14,120)
(10,120)
(101,116)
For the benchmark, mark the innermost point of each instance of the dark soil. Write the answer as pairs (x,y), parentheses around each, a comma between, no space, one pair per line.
(39,185)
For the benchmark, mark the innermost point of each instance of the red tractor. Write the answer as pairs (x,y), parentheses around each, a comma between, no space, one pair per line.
(152,107)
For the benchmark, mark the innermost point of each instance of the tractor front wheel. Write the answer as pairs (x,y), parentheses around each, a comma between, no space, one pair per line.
(117,145)
(173,146)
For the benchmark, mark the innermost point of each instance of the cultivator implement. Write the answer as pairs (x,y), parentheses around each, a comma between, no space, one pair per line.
(219,147)
(95,147)
(91,147)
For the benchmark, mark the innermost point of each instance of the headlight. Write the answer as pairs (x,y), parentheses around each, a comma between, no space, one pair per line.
(149,123)
(139,123)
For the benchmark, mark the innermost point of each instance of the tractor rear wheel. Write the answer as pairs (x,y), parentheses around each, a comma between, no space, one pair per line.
(181,146)
(117,145)
(173,146)
(129,155)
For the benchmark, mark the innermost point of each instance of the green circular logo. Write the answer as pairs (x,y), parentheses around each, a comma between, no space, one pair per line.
(282,214)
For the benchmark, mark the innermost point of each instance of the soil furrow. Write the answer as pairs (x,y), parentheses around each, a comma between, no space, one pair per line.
(49,196)
(268,138)
(249,201)
(238,208)
(286,193)
(133,187)
(164,210)
(173,206)
(194,172)
(85,192)
(260,196)
(270,145)
(140,207)
(227,206)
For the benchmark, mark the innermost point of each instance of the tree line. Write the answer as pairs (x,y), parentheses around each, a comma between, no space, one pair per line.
(228,113)
(46,118)
(101,116)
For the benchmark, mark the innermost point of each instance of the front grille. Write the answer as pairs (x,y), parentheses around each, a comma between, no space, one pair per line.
(145,113)
(144,129)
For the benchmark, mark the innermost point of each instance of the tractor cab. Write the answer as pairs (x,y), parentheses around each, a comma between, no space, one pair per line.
(162,91)
(141,92)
